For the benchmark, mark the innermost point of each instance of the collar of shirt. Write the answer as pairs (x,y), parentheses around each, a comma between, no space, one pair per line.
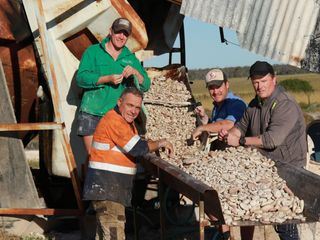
(125,51)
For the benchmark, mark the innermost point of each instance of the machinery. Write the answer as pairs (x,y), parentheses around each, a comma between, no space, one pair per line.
(41,44)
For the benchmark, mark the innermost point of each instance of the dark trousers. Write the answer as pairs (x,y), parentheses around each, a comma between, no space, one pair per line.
(287,231)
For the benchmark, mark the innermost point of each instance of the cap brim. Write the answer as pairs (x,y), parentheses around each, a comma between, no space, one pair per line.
(117,30)
(214,84)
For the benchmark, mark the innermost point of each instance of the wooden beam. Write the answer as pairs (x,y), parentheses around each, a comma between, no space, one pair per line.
(7,127)
(40,211)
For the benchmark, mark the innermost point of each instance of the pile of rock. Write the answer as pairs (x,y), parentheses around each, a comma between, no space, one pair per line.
(248,184)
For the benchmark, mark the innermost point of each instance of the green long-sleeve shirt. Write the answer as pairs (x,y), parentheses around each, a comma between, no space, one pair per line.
(97,62)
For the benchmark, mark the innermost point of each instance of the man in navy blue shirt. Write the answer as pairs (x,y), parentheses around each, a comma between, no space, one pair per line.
(228,108)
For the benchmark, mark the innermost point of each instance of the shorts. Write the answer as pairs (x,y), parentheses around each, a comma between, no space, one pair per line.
(87,123)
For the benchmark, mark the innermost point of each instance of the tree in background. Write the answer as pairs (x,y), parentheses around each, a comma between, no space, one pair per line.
(298,85)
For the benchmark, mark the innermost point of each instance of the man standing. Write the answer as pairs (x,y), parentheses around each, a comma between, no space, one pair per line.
(274,123)
(104,72)
(228,108)
(116,147)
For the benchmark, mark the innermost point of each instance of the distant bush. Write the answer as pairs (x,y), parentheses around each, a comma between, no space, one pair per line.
(232,72)
(298,85)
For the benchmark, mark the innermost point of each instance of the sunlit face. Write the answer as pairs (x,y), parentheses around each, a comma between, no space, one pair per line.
(129,106)
(264,86)
(219,94)
(118,39)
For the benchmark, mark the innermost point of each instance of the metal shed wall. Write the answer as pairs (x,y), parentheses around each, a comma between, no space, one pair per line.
(278,29)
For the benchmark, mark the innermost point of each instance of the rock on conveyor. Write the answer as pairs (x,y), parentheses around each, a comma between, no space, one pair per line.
(248,184)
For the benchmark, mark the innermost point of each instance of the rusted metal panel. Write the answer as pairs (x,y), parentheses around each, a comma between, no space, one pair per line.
(278,29)
(19,63)
(79,42)
(16,182)
(13,26)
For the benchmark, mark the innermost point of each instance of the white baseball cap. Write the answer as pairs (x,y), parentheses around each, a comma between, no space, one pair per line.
(215,77)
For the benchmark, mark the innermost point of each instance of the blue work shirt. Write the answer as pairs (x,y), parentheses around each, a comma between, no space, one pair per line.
(232,108)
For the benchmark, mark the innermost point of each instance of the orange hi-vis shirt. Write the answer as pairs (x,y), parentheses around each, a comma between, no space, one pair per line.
(115,144)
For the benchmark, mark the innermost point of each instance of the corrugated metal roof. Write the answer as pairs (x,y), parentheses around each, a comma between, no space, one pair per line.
(278,29)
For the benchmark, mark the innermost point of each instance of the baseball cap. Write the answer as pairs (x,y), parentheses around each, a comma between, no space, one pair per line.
(260,68)
(122,24)
(215,77)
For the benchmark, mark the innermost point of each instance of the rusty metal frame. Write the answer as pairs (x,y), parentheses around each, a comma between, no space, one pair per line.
(7,127)
(40,211)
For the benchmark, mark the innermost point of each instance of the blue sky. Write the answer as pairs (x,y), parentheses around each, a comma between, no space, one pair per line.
(205,50)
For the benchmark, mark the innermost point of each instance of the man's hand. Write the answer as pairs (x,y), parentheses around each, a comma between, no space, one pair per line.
(196,133)
(163,143)
(128,71)
(228,138)
(113,79)
(116,79)
(199,110)
(202,114)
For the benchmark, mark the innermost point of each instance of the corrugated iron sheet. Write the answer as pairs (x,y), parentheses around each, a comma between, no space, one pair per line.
(278,29)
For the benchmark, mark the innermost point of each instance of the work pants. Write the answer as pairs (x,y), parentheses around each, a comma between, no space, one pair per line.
(110,220)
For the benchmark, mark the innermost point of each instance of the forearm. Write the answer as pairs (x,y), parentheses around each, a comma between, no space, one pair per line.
(139,77)
(104,79)
(217,126)
(145,83)
(162,143)
(86,79)
(154,145)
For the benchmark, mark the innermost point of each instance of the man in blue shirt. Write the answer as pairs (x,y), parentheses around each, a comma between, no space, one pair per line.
(228,108)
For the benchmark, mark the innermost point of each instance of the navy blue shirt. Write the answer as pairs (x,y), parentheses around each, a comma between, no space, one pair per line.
(231,109)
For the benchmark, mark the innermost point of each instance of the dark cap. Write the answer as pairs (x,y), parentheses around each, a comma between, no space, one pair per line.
(260,68)
(122,24)
(215,77)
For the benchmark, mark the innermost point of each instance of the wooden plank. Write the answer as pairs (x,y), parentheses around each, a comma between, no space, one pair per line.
(17,188)
(7,127)
(39,211)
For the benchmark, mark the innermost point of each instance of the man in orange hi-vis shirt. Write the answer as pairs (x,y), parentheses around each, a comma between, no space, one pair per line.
(112,166)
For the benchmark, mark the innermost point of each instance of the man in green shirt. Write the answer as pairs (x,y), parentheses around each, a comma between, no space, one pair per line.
(105,70)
